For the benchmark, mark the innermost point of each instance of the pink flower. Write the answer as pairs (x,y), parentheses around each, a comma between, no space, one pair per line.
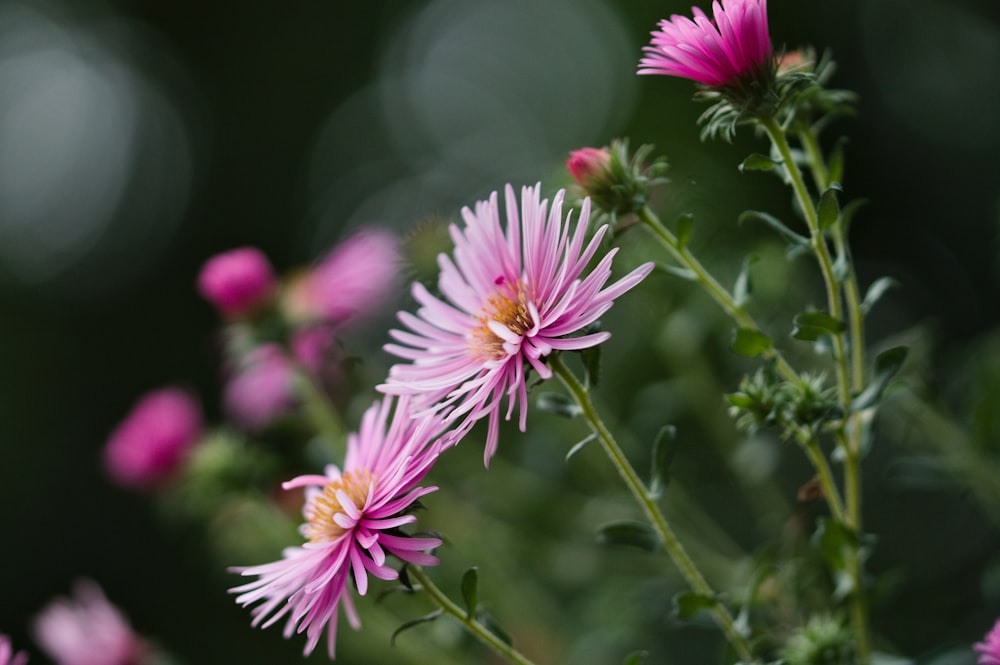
(717,52)
(352,281)
(7,655)
(589,166)
(989,648)
(262,388)
(512,297)
(87,630)
(352,521)
(151,443)
(237,281)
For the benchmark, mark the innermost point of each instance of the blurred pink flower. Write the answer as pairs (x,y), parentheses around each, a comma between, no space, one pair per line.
(237,281)
(989,648)
(262,387)
(588,166)
(512,297)
(87,630)
(7,655)
(150,444)
(352,517)
(352,281)
(734,45)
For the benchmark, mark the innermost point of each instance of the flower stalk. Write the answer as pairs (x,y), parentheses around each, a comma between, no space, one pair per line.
(647,502)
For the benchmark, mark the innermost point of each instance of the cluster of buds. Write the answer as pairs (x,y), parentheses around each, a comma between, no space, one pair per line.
(618,184)
(764,400)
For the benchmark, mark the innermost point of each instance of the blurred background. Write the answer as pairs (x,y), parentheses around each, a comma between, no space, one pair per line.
(138,138)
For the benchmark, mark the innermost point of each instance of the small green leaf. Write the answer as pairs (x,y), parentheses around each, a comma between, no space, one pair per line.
(757,162)
(684,223)
(829,208)
(776,224)
(751,343)
(559,404)
(842,267)
(579,446)
(876,291)
(633,534)
(664,450)
(492,626)
(404,578)
(835,167)
(470,591)
(635,658)
(591,357)
(887,364)
(810,326)
(427,618)
(835,542)
(689,603)
(743,287)
(677,271)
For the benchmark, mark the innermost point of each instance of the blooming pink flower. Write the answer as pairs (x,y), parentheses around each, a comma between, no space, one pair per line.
(7,655)
(352,520)
(352,280)
(716,52)
(237,281)
(512,297)
(989,648)
(262,388)
(87,630)
(150,444)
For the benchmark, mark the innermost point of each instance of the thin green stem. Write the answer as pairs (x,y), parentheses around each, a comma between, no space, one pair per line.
(647,502)
(717,292)
(824,475)
(478,630)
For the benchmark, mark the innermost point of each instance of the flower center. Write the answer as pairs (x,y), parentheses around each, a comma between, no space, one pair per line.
(323,507)
(508,307)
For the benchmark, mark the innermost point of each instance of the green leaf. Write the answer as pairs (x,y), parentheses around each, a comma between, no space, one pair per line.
(835,542)
(633,534)
(689,603)
(664,450)
(677,271)
(684,223)
(404,578)
(757,162)
(829,208)
(470,591)
(776,224)
(635,658)
(835,167)
(743,287)
(579,446)
(427,618)
(492,626)
(876,291)
(810,326)
(559,404)
(887,364)
(751,343)
(841,267)
(591,357)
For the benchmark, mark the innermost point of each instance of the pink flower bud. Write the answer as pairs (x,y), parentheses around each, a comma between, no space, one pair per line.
(262,388)
(589,166)
(150,444)
(237,281)
(7,655)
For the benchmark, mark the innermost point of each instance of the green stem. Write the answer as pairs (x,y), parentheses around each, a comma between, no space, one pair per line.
(478,630)
(718,292)
(810,445)
(647,502)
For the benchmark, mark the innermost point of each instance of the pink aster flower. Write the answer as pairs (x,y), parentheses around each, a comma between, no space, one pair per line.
(352,281)
(989,648)
(262,388)
(7,655)
(721,51)
(150,444)
(87,630)
(511,297)
(352,521)
(237,281)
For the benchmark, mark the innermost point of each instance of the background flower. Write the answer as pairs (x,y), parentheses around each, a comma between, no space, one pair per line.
(7,655)
(237,281)
(989,648)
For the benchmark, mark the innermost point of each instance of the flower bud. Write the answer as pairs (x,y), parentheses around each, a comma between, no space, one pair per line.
(261,389)
(589,167)
(150,445)
(237,281)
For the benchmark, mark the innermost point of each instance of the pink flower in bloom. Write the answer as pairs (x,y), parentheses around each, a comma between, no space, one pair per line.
(7,655)
(352,281)
(716,52)
(512,297)
(87,630)
(352,520)
(262,388)
(150,444)
(237,281)
(989,648)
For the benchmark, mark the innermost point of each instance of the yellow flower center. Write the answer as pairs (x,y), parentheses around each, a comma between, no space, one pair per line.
(509,307)
(321,510)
